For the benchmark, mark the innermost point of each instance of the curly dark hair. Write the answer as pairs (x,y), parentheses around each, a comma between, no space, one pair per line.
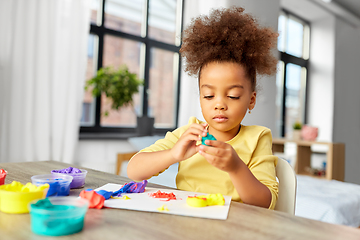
(229,35)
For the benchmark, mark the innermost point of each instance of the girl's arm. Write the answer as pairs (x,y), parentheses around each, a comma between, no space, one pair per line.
(249,188)
(144,165)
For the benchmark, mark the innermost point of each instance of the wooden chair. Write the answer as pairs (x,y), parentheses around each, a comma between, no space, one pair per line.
(121,157)
(287,187)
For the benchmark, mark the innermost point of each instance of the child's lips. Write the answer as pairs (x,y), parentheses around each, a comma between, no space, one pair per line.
(220,119)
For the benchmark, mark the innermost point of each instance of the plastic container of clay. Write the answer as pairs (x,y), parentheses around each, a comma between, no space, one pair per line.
(15,197)
(78,178)
(59,184)
(58,216)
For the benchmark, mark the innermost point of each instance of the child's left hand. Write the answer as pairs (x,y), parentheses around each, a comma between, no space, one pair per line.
(221,155)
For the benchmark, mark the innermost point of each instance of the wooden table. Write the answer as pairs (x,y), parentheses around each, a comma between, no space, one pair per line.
(244,221)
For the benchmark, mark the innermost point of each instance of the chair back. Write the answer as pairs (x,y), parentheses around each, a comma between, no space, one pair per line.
(287,187)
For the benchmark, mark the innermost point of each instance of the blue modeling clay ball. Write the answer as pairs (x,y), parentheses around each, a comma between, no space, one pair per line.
(207,137)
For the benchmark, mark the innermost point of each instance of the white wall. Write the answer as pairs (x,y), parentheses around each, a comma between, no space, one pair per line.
(101,154)
(347,97)
(320,109)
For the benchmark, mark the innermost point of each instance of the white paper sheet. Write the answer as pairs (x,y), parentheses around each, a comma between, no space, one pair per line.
(144,202)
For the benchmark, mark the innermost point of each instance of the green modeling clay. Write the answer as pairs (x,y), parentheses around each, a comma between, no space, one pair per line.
(207,137)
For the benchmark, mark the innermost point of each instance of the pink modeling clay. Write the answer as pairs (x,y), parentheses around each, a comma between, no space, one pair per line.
(96,200)
(159,194)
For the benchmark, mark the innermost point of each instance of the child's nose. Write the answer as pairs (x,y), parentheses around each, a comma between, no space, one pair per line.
(220,105)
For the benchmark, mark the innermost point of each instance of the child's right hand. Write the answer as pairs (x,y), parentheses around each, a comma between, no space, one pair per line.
(186,145)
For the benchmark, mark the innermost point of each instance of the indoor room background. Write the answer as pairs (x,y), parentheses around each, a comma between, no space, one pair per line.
(55,110)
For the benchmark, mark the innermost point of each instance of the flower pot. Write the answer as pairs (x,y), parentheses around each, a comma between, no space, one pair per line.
(296,135)
(145,126)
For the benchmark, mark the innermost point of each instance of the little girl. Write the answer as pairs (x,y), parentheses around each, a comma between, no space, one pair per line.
(226,50)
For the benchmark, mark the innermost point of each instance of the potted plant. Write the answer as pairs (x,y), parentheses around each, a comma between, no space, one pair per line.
(297,130)
(120,86)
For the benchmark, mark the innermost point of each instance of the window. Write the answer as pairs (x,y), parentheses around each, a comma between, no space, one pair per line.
(293,44)
(144,35)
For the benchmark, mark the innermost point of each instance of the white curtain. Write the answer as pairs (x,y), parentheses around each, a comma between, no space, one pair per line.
(43,50)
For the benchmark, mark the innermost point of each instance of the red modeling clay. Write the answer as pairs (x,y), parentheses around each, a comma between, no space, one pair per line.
(159,194)
(96,200)
(2,176)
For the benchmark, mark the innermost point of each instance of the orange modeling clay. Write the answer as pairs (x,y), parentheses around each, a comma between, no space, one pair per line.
(205,200)
(96,200)
(159,194)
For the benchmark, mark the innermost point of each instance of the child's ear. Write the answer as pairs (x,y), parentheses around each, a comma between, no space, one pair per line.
(252,101)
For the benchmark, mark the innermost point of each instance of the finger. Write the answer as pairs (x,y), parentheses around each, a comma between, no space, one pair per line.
(215,143)
(209,157)
(198,129)
(212,150)
(190,137)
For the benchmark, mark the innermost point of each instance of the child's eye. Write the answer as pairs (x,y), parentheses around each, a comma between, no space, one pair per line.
(208,97)
(232,97)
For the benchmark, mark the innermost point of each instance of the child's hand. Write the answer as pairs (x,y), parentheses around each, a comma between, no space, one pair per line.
(186,145)
(221,155)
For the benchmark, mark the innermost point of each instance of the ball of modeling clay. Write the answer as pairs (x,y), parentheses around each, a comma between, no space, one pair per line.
(207,137)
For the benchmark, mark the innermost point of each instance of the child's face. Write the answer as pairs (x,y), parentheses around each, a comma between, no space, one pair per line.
(225,96)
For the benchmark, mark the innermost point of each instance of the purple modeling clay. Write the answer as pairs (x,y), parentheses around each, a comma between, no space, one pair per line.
(69,170)
(131,187)
(77,174)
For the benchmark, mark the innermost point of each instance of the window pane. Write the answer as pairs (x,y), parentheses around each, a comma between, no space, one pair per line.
(294,38)
(95,15)
(294,101)
(125,15)
(163,88)
(162,20)
(88,110)
(282,32)
(119,51)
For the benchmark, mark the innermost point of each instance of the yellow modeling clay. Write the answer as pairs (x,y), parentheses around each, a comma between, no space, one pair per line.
(18,187)
(124,197)
(163,208)
(205,200)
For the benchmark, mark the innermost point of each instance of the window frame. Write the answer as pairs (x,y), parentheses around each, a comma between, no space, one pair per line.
(302,62)
(103,132)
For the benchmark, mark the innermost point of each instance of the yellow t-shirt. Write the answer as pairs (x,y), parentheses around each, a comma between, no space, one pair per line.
(253,144)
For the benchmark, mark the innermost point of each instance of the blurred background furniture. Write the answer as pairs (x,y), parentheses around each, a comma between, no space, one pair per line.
(335,163)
